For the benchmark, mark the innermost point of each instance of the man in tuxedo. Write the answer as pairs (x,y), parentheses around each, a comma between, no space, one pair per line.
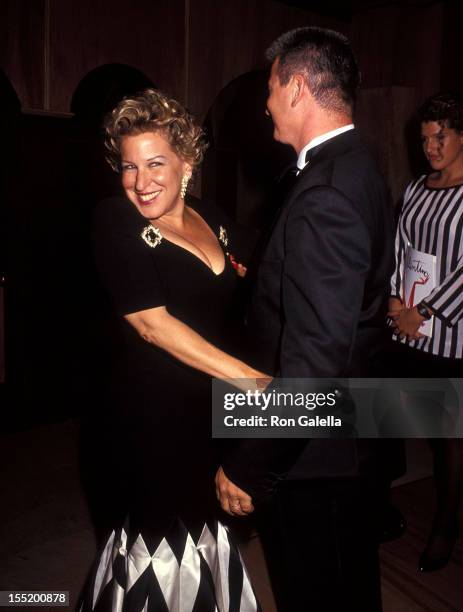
(317,311)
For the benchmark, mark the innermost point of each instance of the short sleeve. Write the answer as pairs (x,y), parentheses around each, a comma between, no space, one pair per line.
(125,262)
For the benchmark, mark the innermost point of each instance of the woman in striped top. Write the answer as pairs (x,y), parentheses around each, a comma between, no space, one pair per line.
(431,221)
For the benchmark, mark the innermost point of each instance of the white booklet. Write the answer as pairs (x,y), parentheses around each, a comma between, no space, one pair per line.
(419,281)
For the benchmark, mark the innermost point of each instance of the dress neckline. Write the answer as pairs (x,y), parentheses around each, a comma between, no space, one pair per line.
(201,261)
(425,184)
(218,241)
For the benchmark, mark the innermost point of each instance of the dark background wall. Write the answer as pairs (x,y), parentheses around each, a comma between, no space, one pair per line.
(195,48)
(66,62)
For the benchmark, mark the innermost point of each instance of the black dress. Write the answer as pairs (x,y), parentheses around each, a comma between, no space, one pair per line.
(171,553)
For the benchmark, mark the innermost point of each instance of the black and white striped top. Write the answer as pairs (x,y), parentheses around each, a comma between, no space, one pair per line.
(432,221)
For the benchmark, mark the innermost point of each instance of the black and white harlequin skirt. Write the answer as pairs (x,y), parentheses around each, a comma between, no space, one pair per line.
(181,575)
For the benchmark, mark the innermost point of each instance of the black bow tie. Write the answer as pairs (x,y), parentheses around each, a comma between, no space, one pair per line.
(287,179)
(312,152)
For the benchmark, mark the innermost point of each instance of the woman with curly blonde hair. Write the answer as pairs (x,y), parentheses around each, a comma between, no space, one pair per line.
(170,274)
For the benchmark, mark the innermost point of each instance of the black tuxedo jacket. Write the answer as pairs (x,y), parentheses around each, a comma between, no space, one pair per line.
(319,302)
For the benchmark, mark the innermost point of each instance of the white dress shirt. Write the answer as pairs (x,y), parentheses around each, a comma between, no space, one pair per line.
(318,140)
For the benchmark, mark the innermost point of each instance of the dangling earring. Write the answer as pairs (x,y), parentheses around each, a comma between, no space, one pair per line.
(184,185)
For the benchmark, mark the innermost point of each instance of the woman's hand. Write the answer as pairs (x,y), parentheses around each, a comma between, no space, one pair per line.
(255,383)
(263,382)
(394,305)
(407,322)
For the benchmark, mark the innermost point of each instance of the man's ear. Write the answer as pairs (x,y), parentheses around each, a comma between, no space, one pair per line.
(297,88)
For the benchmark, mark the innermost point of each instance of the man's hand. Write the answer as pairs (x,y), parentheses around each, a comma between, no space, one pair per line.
(232,499)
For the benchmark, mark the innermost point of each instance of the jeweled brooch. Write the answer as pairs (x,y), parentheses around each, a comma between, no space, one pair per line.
(223,236)
(152,236)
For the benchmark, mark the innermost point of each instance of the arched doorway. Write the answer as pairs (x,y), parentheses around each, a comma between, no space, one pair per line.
(243,160)
(90,180)
(96,94)
(53,290)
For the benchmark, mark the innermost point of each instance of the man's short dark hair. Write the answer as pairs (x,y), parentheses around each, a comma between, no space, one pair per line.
(446,108)
(326,60)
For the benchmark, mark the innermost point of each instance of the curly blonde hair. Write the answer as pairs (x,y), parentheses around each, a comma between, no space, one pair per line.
(153,111)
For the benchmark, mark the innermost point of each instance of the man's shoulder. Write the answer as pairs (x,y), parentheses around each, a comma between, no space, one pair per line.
(351,170)
(338,158)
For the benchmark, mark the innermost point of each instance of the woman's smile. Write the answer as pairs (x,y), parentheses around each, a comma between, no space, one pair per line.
(147,198)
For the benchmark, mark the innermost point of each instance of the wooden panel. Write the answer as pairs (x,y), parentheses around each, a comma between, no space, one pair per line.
(382,116)
(230,38)
(21,48)
(452,74)
(373,36)
(399,45)
(417,59)
(84,34)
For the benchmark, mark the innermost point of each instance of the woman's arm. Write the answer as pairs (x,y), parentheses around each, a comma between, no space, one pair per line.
(445,302)
(446,299)
(400,246)
(129,272)
(158,327)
